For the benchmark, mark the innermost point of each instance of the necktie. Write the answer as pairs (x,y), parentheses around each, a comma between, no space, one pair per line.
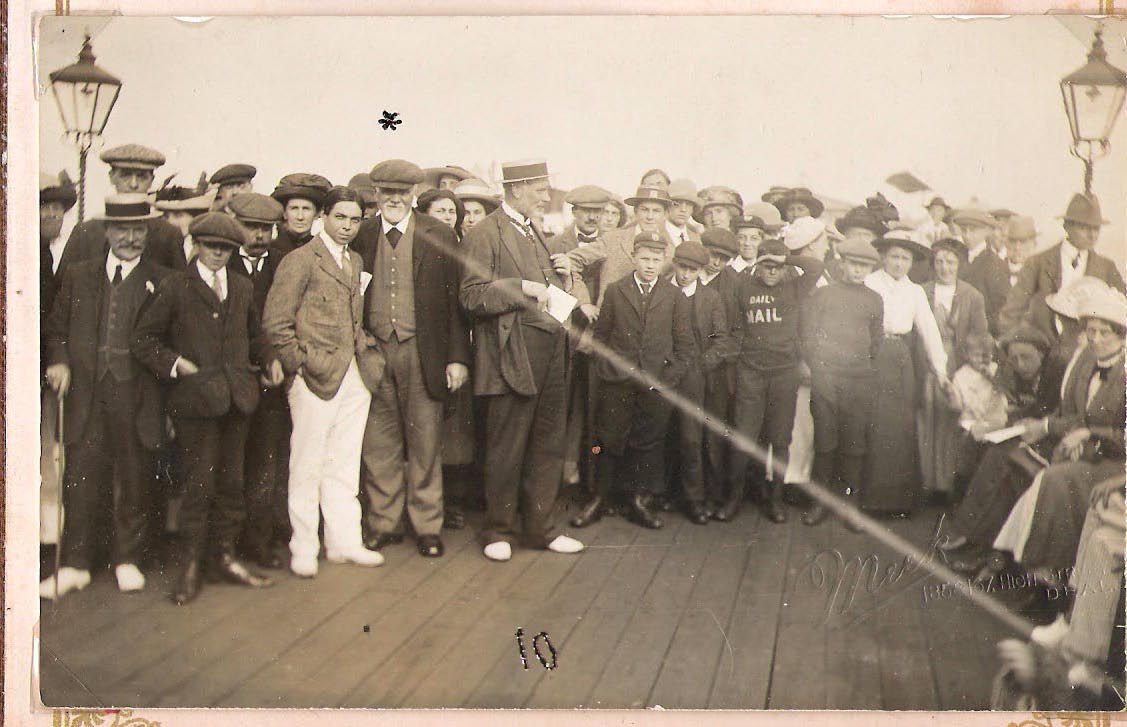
(1076,262)
(117,275)
(217,286)
(393,236)
(253,264)
(683,238)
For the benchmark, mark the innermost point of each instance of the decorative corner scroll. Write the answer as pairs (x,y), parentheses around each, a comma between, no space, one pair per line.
(1065,719)
(99,718)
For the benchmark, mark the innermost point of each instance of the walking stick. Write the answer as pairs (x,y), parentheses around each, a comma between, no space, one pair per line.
(60,468)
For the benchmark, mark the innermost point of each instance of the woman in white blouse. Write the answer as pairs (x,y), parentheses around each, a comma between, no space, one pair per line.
(892,472)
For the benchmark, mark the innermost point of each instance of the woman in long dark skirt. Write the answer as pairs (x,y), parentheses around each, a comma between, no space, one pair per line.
(891,484)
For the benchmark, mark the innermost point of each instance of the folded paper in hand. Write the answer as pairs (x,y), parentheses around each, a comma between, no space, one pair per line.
(1001,435)
(560,303)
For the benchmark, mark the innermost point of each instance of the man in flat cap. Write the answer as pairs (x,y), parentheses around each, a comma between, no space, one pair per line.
(230,180)
(520,362)
(268,442)
(201,335)
(132,169)
(1072,258)
(985,270)
(113,409)
(411,310)
(301,195)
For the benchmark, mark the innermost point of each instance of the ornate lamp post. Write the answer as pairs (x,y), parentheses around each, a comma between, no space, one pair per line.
(85,95)
(1093,98)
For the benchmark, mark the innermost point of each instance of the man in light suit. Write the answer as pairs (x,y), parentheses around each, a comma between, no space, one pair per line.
(985,270)
(520,362)
(411,309)
(1072,258)
(314,318)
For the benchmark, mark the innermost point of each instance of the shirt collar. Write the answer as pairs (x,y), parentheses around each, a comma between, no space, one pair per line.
(707,277)
(517,216)
(208,274)
(335,249)
(978,250)
(689,290)
(675,232)
(1068,251)
(401,225)
(648,287)
(127,266)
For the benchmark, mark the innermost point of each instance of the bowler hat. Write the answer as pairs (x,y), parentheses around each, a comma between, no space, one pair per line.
(217,228)
(772,251)
(133,156)
(302,185)
(1084,209)
(683,190)
(718,194)
(254,207)
(902,239)
(858,251)
(649,194)
(396,174)
(525,170)
(938,202)
(803,196)
(434,175)
(972,217)
(1106,304)
(588,195)
(57,189)
(769,213)
(802,232)
(477,191)
(691,252)
(720,240)
(1021,228)
(233,173)
(649,240)
(861,217)
(1067,301)
(128,208)
(1026,333)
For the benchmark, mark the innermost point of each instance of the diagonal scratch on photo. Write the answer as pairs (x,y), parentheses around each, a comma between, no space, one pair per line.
(738,362)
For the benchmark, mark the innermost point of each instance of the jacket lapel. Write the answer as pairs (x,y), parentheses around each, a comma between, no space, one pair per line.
(1052,266)
(203,290)
(328,263)
(633,295)
(511,238)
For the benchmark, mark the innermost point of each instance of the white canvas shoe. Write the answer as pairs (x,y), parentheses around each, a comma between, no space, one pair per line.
(1050,636)
(362,556)
(70,579)
(499,551)
(129,578)
(304,567)
(564,544)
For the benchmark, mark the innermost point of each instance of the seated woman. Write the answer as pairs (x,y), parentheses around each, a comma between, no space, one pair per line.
(1043,529)
(997,481)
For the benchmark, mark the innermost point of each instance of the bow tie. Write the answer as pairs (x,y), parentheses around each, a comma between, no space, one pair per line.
(586,238)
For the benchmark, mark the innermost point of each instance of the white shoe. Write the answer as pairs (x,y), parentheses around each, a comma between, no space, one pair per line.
(362,556)
(564,544)
(571,473)
(1052,635)
(70,579)
(500,551)
(129,578)
(304,567)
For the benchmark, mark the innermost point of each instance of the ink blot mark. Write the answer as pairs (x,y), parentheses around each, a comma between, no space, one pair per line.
(367,628)
(536,648)
(390,120)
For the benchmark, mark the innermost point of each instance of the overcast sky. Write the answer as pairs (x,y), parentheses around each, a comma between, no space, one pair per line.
(972,107)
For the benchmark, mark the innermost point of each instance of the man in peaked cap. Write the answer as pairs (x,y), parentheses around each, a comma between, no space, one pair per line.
(520,362)
(686,203)
(132,169)
(984,269)
(231,180)
(1072,258)
(301,195)
(411,314)
(113,413)
(750,232)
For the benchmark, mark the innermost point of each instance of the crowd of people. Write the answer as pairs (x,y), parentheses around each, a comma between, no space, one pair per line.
(339,367)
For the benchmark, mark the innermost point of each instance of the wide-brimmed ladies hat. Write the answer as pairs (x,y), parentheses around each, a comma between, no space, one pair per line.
(128,208)
(952,244)
(769,213)
(1105,304)
(433,175)
(1068,300)
(803,196)
(863,218)
(719,195)
(902,239)
(477,190)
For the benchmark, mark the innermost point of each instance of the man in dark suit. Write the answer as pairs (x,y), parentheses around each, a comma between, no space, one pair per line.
(113,409)
(132,169)
(56,197)
(411,308)
(1072,258)
(302,196)
(202,334)
(268,443)
(520,362)
(984,269)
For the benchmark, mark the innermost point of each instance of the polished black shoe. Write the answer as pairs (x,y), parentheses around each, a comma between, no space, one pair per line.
(377,541)
(267,558)
(697,513)
(641,513)
(430,546)
(592,512)
(816,514)
(453,518)
(232,570)
(727,512)
(662,503)
(776,510)
(189,584)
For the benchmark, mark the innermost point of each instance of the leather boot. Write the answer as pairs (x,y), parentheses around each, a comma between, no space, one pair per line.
(232,570)
(640,512)
(189,584)
(591,513)
(776,508)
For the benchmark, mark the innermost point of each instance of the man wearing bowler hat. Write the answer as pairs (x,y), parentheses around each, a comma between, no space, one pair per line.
(113,410)
(201,336)
(520,362)
(230,180)
(411,310)
(1072,258)
(132,169)
(301,195)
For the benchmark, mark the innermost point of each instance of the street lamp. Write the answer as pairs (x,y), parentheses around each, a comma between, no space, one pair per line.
(1093,98)
(85,95)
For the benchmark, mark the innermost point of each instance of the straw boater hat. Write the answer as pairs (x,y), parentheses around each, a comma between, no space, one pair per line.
(718,194)
(902,239)
(478,191)
(1068,300)
(1105,304)
(801,195)
(1084,209)
(57,189)
(525,170)
(649,194)
(128,208)
(433,175)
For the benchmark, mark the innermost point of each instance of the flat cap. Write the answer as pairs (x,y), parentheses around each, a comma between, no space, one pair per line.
(303,185)
(217,228)
(650,241)
(970,216)
(255,207)
(133,156)
(589,195)
(858,251)
(721,240)
(691,252)
(361,181)
(396,174)
(772,251)
(802,232)
(233,173)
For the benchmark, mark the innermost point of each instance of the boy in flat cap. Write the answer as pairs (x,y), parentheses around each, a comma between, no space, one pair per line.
(113,412)
(645,324)
(268,443)
(230,180)
(842,326)
(302,197)
(201,335)
(984,269)
(132,169)
(411,311)
(750,232)
(767,367)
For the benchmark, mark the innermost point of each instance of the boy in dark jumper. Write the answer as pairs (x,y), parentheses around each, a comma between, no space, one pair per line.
(842,329)
(767,367)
